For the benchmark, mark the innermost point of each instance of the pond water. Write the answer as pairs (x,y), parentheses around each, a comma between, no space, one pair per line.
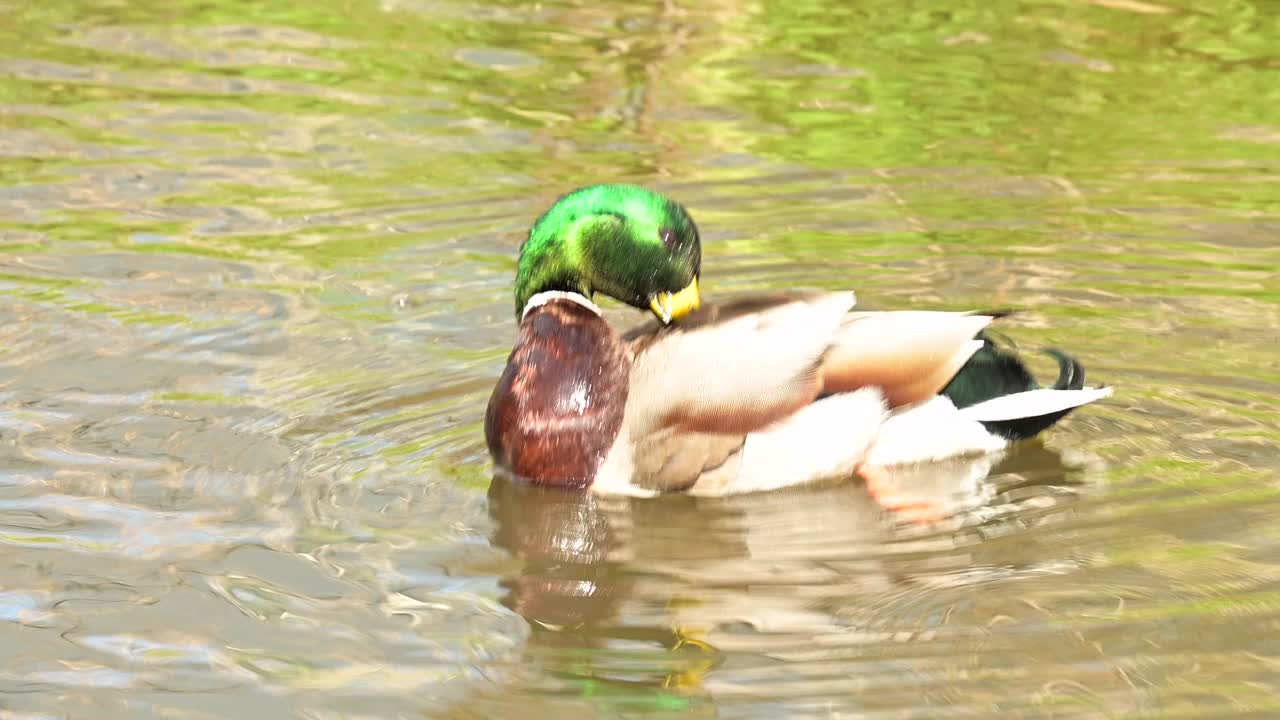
(255,287)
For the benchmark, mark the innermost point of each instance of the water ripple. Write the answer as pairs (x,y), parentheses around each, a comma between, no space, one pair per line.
(255,288)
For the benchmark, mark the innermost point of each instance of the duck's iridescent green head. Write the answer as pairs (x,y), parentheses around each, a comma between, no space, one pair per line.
(627,242)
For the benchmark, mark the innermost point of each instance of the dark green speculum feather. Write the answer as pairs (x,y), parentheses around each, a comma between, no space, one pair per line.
(624,241)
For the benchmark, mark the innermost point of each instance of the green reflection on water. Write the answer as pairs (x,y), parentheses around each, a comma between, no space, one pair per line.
(370,168)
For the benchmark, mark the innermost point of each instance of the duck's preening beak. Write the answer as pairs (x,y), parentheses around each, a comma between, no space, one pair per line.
(670,306)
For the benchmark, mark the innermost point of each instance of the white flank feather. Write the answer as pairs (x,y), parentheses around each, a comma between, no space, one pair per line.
(930,431)
(614,476)
(825,440)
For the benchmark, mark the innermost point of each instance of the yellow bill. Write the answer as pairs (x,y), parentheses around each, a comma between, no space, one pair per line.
(671,306)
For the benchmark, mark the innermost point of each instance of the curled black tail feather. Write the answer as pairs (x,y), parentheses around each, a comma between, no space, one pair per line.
(993,372)
(1070,371)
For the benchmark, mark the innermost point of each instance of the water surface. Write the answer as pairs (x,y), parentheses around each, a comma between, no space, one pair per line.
(255,267)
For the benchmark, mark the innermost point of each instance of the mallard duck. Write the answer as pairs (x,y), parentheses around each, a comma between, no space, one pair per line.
(748,395)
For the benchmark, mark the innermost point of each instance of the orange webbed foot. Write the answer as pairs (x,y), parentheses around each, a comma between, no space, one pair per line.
(885,491)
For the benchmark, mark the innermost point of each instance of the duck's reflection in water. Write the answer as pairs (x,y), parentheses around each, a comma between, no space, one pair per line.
(646,593)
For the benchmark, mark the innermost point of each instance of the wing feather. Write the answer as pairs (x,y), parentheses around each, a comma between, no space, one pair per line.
(910,355)
(738,374)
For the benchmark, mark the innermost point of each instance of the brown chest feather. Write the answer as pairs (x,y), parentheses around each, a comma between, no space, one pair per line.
(558,407)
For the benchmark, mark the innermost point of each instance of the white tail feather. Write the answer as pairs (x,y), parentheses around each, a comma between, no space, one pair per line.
(1032,403)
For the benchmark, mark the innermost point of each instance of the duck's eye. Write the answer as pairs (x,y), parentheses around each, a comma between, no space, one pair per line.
(669,238)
